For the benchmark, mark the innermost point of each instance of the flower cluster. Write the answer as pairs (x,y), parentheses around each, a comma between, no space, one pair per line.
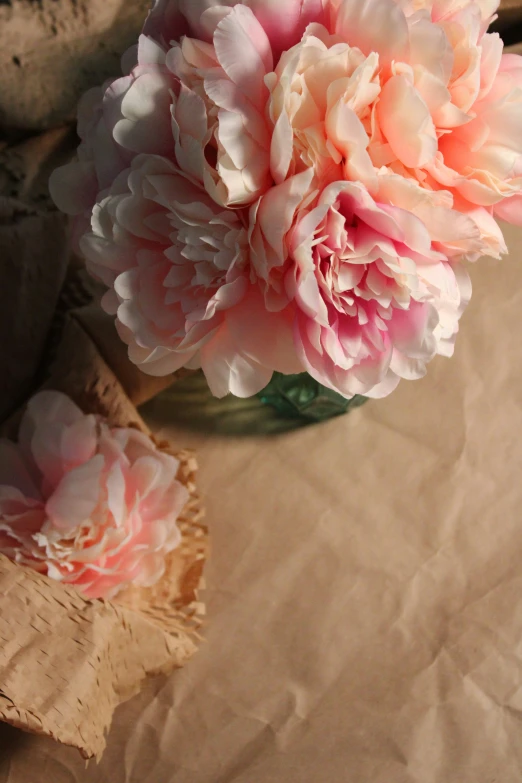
(86,504)
(294,185)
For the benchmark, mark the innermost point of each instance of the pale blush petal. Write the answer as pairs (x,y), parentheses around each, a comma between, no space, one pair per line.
(165,21)
(76,496)
(492,48)
(243,158)
(281,148)
(250,344)
(488,7)
(510,210)
(384,387)
(308,297)
(406,122)
(244,52)
(169,507)
(151,570)
(374,26)
(78,444)
(264,336)
(198,14)
(286,20)
(412,331)
(116,494)
(190,129)
(74,187)
(407,368)
(491,241)
(149,52)
(347,133)
(145,475)
(53,407)
(431,48)
(512,64)
(145,123)
(274,217)
(228,370)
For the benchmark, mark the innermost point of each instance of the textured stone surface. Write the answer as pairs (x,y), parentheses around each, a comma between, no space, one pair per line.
(51,51)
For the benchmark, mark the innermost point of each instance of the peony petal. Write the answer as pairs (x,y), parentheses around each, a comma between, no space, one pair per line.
(431,48)
(510,210)
(198,14)
(228,370)
(74,187)
(76,496)
(347,133)
(165,21)
(406,122)
(145,107)
(274,216)
(374,26)
(281,148)
(53,407)
(116,494)
(264,336)
(244,52)
(286,20)
(492,49)
(79,441)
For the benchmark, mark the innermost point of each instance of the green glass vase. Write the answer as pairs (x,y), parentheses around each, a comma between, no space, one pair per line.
(305,398)
(287,403)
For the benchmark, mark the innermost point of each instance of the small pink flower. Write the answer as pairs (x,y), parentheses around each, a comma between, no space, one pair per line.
(86,504)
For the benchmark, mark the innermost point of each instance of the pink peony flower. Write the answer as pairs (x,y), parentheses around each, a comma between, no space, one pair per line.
(85,504)
(293,185)
(414,88)
(375,300)
(176,264)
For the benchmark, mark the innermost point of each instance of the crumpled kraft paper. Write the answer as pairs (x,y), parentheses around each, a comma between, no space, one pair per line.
(65,662)
(364,592)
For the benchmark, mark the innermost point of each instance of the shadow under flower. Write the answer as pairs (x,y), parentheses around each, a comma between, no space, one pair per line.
(288,403)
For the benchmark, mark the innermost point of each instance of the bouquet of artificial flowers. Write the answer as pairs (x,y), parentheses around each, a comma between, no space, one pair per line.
(291,187)
(297,186)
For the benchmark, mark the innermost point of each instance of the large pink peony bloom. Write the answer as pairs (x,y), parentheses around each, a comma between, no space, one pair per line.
(85,504)
(177,267)
(243,124)
(375,300)
(414,88)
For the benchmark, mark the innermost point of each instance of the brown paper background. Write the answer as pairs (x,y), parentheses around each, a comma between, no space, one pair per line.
(364,593)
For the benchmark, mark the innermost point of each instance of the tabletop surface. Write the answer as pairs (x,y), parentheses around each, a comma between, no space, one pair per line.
(363,592)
